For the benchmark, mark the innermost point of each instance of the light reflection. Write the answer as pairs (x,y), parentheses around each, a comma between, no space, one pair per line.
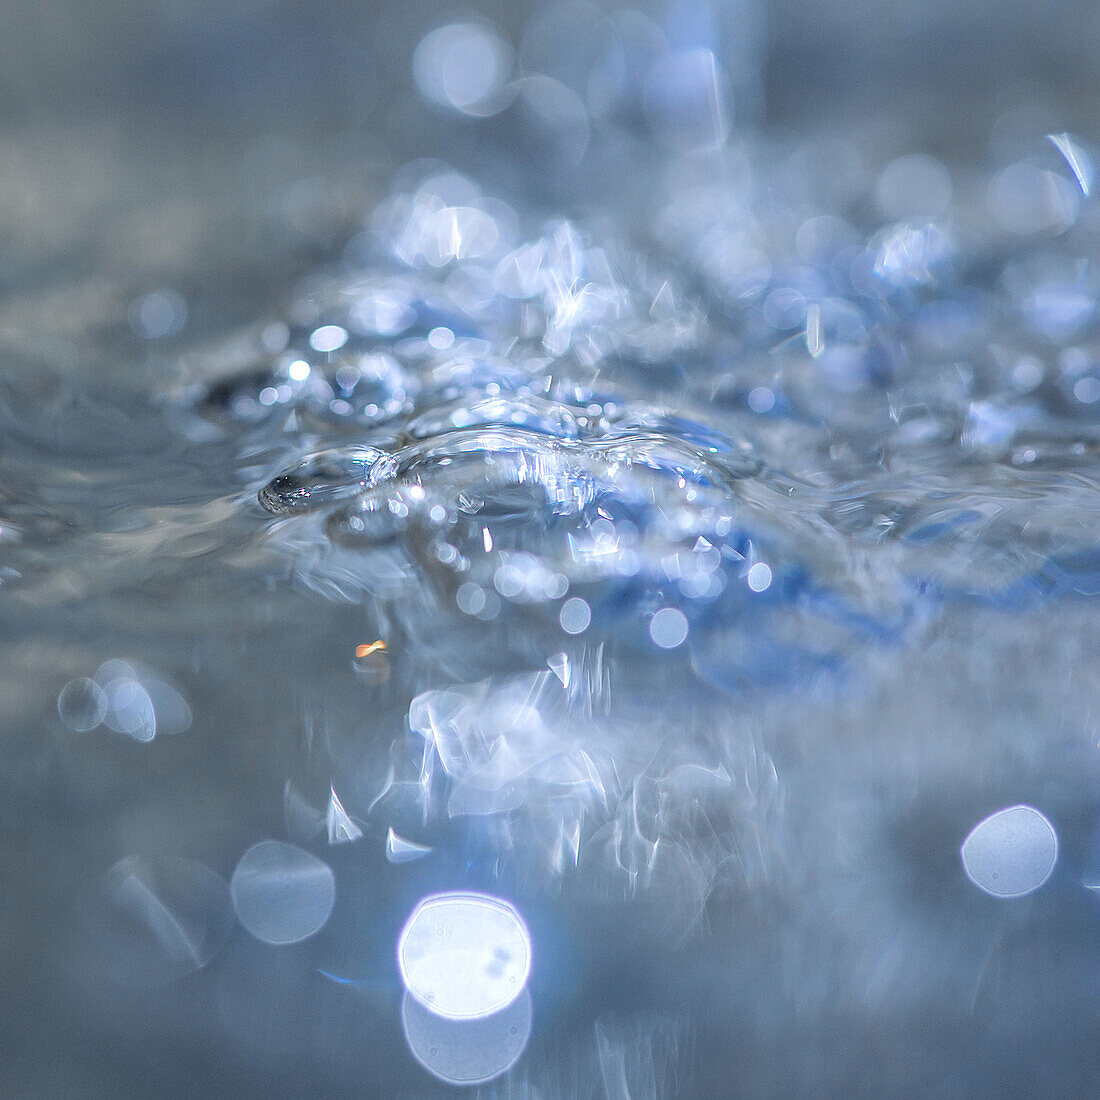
(1011,853)
(1079,161)
(163,919)
(401,850)
(338,824)
(467,1052)
(464,956)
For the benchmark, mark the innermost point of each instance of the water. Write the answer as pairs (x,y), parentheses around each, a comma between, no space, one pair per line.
(667,606)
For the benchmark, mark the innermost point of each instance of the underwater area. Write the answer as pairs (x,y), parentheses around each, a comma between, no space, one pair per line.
(549,550)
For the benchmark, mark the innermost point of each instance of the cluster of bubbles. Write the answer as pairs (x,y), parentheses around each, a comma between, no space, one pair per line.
(464,958)
(762,442)
(163,918)
(743,439)
(544,766)
(579,71)
(511,454)
(125,697)
(512,440)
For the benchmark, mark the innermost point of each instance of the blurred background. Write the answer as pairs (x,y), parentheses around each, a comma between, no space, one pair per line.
(170,143)
(170,170)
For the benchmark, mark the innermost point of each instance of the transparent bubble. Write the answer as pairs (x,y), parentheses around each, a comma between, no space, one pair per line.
(158,314)
(1087,390)
(463,66)
(464,956)
(328,338)
(467,1052)
(759,577)
(558,113)
(761,399)
(82,705)
(1011,853)
(323,478)
(161,919)
(282,894)
(1025,199)
(130,708)
(668,628)
(915,185)
(575,615)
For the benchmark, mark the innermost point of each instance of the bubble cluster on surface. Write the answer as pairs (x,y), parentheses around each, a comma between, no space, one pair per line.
(529,412)
(738,443)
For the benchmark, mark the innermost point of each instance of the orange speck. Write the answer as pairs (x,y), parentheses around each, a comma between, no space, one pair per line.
(367,650)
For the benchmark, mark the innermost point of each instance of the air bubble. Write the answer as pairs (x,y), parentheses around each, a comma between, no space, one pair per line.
(1011,853)
(82,705)
(282,894)
(668,628)
(482,964)
(575,616)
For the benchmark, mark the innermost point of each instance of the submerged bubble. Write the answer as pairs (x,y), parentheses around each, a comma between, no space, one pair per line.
(162,919)
(668,628)
(82,705)
(575,616)
(467,1052)
(462,66)
(323,478)
(464,956)
(138,703)
(158,314)
(759,577)
(130,708)
(328,338)
(1011,853)
(282,894)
